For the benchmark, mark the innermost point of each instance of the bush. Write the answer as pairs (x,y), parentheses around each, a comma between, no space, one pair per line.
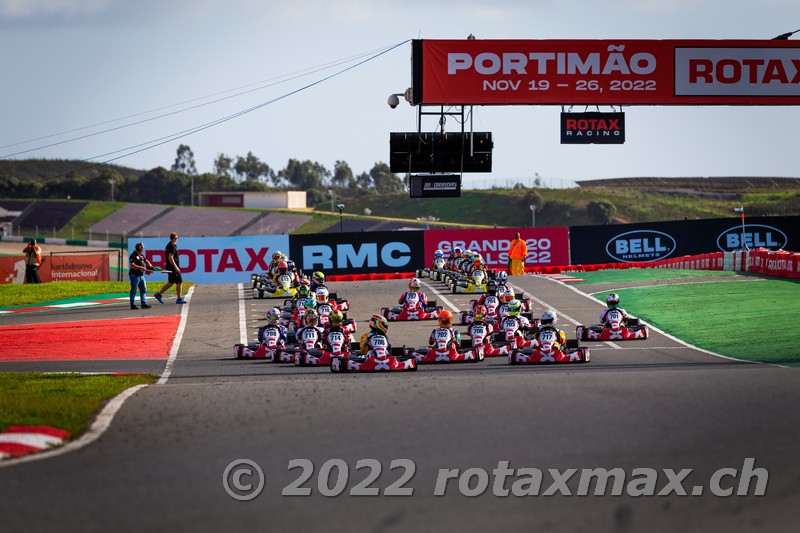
(601,211)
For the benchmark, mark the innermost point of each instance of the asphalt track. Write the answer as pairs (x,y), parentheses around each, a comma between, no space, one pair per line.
(651,403)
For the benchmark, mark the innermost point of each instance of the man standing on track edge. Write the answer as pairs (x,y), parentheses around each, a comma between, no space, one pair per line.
(517,252)
(174,276)
(33,260)
(138,267)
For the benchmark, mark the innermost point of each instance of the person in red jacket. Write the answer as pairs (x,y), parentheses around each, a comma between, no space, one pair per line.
(33,260)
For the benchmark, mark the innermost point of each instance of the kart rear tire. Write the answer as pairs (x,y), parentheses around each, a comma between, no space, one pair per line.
(573,343)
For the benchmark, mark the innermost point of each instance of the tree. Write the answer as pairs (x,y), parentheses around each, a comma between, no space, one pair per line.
(223,165)
(304,175)
(601,211)
(184,161)
(250,168)
(342,177)
(531,198)
(385,182)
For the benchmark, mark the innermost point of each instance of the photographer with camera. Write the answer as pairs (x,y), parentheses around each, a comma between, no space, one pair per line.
(33,260)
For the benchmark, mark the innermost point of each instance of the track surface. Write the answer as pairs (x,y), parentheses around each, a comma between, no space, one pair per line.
(651,403)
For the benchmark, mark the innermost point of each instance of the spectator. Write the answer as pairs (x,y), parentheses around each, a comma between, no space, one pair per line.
(517,252)
(174,276)
(138,265)
(33,260)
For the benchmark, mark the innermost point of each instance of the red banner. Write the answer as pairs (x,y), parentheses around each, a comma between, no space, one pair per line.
(94,267)
(611,72)
(546,246)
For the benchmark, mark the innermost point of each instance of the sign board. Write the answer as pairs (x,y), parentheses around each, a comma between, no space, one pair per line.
(592,128)
(606,72)
(435,185)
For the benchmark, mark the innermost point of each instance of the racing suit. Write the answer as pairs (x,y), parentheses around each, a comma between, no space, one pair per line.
(562,338)
(423,298)
(298,334)
(364,342)
(453,331)
(604,314)
(281,329)
(328,329)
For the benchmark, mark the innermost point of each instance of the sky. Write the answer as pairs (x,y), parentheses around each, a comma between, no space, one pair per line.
(73,69)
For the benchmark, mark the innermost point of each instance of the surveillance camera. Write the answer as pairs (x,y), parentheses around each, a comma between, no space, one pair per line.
(393,101)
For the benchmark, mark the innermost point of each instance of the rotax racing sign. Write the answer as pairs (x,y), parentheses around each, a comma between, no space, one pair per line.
(610,72)
(546,246)
(216,259)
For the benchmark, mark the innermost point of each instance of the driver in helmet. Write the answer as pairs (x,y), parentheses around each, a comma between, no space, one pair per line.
(273,318)
(272,269)
(505,296)
(303,292)
(378,325)
(281,269)
(317,281)
(446,322)
(336,323)
(454,257)
(612,302)
(502,278)
(548,321)
(491,290)
(310,321)
(414,287)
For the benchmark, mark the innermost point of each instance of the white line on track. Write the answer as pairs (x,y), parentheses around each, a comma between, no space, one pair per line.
(242,316)
(176,344)
(667,335)
(441,296)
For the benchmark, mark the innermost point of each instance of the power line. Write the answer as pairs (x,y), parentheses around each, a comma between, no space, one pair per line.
(135,149)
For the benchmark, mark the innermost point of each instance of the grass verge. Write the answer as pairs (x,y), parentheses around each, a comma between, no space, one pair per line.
(64,401)
(26,294)
(648,274)
(745,320)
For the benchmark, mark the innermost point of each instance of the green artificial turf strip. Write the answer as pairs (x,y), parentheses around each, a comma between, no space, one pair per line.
(64,401)
(26,294)
(752,320)
(647,274)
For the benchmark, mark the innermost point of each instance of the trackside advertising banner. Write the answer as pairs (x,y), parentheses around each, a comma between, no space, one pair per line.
(216,259)
(647,242)
(358,253)
(89,267)
(611,72)
(546,246)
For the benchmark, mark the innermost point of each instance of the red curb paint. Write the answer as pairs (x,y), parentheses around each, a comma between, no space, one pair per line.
(15,449)
(62,434)
(135,338)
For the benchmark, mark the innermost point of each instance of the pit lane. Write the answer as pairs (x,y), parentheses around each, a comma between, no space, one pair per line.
(653,403)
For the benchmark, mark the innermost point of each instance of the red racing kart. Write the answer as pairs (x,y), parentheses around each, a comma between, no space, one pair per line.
(379,358)
(444,350)
(339,347)
(544,350)
(412,309)
(616,328)
(271,348)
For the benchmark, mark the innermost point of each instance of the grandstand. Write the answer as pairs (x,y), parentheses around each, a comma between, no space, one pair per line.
(699,183)
(46,215)
(197,222)
(128,219)
(275,224)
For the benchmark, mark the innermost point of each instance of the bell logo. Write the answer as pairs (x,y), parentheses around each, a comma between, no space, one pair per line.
(640,245)
(753,236)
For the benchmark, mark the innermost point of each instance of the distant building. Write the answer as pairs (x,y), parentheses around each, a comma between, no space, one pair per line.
(259,200)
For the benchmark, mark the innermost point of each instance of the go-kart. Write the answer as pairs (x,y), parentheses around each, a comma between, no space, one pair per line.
(378,359)
(270,348)
(412,309)
(325,311)
(480,341)
(616,328)
(492,304)
(267,288)
(509,333)
(432,272)
(339,347)
(333,299)
(445,351)
(474,283)
(546,350)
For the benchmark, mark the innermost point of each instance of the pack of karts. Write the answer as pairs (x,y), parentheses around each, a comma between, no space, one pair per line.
(615,328)
(435,271)
(380,357)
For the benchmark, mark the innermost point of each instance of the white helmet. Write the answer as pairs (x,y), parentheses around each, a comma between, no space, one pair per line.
(549,318)
(502,277)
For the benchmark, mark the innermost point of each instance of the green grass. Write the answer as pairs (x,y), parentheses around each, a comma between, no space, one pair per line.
(751,320)
(648,274)
(14,294)
(94,212)
(65,401)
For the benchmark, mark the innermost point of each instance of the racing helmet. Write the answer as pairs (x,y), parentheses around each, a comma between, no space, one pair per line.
(506,296)
(283,268)
(290,265)
(479,313)
(612,300)
(273,316)
(322,295)
(379,324)
(318,277)
(477,263)
(502,277)
(311,317)
(514,307)
(457,251)
(414,285)
(276,255)
(445,319)
(303,291)
(438,253)
(310,303)
(491,287)
(549,318)
(336,318)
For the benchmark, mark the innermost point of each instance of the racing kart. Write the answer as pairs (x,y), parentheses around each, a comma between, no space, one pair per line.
(616,328)
(510,335)
(266,288)
(474,283)
(412,309)
(433,272)
(480,341)
(444,350)
(338,348)
(270,348)
(544,350)
(378,359)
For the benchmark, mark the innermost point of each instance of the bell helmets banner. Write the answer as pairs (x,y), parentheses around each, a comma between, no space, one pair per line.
(546,246)
(215,259)
(649,242)
(609,72)
(358,253)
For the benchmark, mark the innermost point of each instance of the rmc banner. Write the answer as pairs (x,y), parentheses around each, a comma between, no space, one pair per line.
(625,243)
(546,246)
(606,72)
(216,259)
(358,253)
